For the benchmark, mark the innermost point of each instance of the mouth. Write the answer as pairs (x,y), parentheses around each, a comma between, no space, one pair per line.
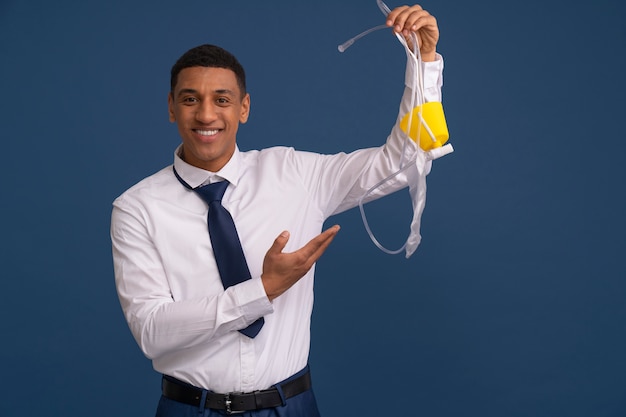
(207,132)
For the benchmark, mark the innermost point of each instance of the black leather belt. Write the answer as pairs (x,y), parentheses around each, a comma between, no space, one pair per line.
(234,402)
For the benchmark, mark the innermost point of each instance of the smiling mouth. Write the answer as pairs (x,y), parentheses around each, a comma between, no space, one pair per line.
(207,132)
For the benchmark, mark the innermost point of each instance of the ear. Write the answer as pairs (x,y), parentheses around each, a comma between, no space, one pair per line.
(170,107)
(245,109)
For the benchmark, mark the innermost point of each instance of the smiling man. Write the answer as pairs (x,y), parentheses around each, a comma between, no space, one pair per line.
(223,314)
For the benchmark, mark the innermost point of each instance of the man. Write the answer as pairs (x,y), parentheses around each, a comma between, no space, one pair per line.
(194,326)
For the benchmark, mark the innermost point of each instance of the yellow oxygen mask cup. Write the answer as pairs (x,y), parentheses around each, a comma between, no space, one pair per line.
(428,125)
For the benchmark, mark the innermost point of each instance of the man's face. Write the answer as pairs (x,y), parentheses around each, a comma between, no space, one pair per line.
(207,106)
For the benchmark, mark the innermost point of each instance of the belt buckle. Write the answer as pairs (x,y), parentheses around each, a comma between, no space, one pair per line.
(228,402)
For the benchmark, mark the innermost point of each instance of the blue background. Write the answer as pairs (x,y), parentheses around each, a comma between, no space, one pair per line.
(514,304)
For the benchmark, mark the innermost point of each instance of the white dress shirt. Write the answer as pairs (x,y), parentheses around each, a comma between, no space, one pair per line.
(167,278)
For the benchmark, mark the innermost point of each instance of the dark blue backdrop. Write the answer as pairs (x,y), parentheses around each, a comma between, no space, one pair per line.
(512,306)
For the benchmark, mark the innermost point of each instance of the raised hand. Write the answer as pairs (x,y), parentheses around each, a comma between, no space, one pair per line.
(405,19)
(282,270)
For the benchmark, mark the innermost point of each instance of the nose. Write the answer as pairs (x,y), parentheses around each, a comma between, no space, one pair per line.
(205,112)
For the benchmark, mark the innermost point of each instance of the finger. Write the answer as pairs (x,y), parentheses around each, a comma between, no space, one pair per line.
(399,16)
(279,243)
(329,235)
(322,239)
(316,246)
(393,15)
(418,20)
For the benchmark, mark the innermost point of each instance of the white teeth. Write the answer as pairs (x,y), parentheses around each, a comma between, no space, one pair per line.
(207,132)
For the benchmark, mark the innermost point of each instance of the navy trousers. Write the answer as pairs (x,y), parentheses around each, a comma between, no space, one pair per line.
(301,405)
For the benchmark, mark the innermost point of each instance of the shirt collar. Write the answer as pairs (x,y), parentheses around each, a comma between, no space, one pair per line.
(196,177)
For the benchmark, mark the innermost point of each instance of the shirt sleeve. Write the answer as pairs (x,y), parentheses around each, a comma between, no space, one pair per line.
(158,324)
(339,181)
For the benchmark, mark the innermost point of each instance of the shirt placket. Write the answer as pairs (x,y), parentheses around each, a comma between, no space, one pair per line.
(248,363)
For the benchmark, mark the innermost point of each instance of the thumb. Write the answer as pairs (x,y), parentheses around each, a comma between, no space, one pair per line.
(279,243)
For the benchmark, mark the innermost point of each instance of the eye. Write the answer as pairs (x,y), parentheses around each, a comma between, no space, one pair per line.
(222,101)
(189,100)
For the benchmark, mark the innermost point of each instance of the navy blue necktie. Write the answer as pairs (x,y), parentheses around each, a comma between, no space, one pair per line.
(231,262)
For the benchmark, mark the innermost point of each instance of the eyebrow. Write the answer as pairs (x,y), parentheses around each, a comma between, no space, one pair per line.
(192,91)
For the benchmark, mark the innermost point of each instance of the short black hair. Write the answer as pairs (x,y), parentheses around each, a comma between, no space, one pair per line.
(209,56)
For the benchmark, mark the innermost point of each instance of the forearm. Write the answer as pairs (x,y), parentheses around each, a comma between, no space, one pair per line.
(398,150)
(349,177)
(177,325)
(163,319)
(433,80)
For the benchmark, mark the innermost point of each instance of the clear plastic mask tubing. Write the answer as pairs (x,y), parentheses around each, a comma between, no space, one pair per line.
(385,10)
(417,98)
(349,42)
(383,7)
(364,217)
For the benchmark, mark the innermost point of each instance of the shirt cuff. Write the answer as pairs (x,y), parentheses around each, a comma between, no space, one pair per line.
(252,300)
(433,79)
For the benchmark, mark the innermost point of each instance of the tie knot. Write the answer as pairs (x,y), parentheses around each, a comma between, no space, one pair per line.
(212,192)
